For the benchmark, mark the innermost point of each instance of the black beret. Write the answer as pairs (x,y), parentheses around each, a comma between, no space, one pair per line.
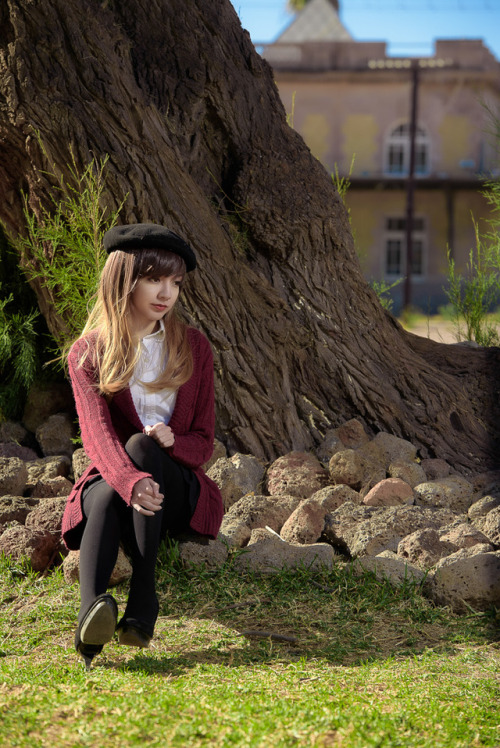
(149,236)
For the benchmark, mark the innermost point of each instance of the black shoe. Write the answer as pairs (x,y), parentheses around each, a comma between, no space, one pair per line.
(131,634)
(97,628)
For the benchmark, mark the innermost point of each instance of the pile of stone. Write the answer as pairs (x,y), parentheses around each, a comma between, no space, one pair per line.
(369,502)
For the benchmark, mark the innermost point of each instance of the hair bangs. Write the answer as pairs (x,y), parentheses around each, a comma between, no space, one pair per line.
(158,262)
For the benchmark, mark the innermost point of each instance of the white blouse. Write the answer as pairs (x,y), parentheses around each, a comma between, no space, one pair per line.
(152,407)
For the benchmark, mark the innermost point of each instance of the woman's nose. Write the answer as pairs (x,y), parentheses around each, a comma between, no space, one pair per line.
(165,291)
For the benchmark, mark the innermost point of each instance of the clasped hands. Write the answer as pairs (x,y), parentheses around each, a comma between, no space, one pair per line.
(146,496)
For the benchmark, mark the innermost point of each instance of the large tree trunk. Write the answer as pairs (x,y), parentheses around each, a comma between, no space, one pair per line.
(174,91)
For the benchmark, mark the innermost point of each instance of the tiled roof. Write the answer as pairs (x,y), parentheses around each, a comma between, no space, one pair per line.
(318,21)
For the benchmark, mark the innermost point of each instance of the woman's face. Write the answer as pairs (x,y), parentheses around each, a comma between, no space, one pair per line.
(152,298)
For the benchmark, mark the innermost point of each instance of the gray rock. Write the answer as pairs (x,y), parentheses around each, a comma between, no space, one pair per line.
(9,449)
(236,476)
(16,508)
(45,468)
(12,432)
(435,468)
(464,535)
(352,468)
(424,548)
(468,577)
(44,399)
(484,505)
(389,492)
(47,516)
(52,487)
(352,434)
(79,462)
(37,546)
(489,525)
(307,521)
(296,474)
(213,555)
(380,528)
(251,512)
(387,565)
(454,492)
(268,553)
(13,476)
(55,435)
(394,449)
(329,446)
(411,472)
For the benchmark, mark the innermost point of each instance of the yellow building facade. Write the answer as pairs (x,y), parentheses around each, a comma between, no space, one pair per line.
(362,113)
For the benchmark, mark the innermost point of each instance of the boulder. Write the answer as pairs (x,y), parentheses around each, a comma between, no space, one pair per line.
(394,449)
(45,468)
(487,483)
(411,472)
(37,546)
(79,462)
(47,516)
(12,432)
(44,399)
(352,468)
(453,492)
(307,521)
(251,512)
(296,474)
(329,446)
(466,579)
(435,468)
(481,507)
(266,552)
(51,487)
(464,535)
(213,554)
(352,434)
(16,508)
(489,525)
(9,449)
(13,476)
(55,435)
(367,531)
(424,548)
(237,476)
(121,573)
(389,492)
(388,566)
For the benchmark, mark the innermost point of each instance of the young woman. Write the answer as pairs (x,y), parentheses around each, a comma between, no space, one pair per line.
(143,387)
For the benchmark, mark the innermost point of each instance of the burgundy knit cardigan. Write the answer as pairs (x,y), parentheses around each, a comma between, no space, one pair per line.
(106,427)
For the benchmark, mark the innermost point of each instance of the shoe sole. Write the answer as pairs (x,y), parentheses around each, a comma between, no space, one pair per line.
(131,638)
(99,624)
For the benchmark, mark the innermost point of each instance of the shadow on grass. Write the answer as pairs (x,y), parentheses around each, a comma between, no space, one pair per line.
(241,619)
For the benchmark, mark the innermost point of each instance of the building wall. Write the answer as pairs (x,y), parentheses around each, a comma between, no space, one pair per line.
(346,118)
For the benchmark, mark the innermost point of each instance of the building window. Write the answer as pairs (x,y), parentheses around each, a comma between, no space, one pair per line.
(395,247)
(398,151)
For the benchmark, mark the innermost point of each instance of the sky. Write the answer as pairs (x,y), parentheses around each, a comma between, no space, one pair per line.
(408,26)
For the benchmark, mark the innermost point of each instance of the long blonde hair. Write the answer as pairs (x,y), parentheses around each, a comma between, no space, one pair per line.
(117,352)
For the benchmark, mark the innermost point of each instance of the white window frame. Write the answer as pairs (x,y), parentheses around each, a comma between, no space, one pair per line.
(395,234)
(397,151)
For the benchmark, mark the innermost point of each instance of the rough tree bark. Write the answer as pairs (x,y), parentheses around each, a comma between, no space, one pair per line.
(175,93)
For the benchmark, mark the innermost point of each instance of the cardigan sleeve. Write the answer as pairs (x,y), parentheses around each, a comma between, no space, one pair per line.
(99,437)
(193,422)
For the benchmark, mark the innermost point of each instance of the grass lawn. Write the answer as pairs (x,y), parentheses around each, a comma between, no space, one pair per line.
(337,660)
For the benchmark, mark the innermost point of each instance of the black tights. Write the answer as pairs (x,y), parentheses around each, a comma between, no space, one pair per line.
(110,521)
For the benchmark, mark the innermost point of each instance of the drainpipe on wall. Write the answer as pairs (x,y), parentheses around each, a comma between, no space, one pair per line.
(410,184)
